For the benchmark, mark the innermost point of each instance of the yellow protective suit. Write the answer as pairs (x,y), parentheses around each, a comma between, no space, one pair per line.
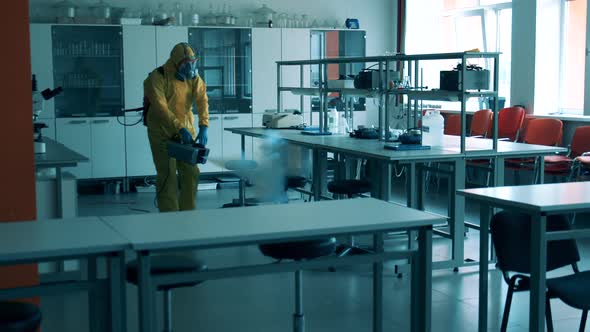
(170,110)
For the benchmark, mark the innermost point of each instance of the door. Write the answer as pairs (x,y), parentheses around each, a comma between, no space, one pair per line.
(266,51)
(137,149)
(166,38)
(75,134)
(215,145)
(296,45)
(232,146)
(42,64)
(108,148)
(139,59)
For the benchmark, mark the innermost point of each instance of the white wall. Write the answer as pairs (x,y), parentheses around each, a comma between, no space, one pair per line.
(523,55)
(378,17)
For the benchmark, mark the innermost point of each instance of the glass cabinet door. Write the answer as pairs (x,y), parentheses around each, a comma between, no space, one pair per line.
(87,64)
(225,64)
(332,44)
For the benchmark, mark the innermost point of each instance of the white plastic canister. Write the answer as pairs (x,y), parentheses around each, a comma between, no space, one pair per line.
(333,120)
(433,125)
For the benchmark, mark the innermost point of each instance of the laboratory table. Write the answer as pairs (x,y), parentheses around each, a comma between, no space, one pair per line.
(76,238)
(257,225)
(58,156)
(417,165)
(538,201)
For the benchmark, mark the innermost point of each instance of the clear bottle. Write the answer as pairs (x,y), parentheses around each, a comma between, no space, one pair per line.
(178,14)
(333,120)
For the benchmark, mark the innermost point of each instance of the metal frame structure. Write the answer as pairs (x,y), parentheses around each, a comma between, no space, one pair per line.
(408,64)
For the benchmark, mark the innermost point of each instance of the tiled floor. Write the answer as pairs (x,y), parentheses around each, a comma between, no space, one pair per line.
(339,301)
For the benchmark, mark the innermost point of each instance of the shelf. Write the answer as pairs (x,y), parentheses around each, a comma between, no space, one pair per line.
(88,56)
(437,95)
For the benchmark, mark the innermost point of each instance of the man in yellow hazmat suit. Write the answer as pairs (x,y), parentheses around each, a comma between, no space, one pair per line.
(170,91)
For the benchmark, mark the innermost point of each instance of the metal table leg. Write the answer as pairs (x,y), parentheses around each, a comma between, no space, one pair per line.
(421,298)
(145,293)
(243,146)
(378,285)
(484,220)
(117,293)
(457,212)
(59,192)
(538,268)
(93,297)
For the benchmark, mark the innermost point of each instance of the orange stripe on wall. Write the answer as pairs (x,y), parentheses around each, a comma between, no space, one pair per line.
(17,169)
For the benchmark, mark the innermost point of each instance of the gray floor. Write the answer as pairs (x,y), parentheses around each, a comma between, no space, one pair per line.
(339,301)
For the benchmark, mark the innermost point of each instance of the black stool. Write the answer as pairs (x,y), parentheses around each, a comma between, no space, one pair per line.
(295,182)
(241,167)
(350,188)
(19,317)
(165,264)
(299,251)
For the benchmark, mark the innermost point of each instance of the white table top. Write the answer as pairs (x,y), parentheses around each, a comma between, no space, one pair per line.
(374,149)
(51,239)
(267,223)
(504,148)
(550,198)
(57,155)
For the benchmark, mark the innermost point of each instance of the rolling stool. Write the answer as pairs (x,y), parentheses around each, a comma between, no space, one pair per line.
(350,188)
(19,317)
(295,182)
(240,166)
(164,264)
(299,251)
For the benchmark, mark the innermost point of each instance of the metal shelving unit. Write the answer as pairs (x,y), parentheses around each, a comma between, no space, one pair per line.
(407,66)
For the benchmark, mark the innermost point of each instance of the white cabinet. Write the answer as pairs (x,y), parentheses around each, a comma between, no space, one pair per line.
(232,143)
(42,63)
(101,139)
(75,134)
(257,142)
(166,38)
(139,59)
(266,51)
(137,149)
(215,145)
(108,148)
(295,45)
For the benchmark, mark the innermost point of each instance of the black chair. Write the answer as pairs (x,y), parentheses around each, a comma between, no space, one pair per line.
(350,188)
(166,264)
(295,182)
(510,235)
(300,250)
(19,317)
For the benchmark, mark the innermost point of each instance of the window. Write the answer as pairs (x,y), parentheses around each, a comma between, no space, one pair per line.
(459,25)
(573,57)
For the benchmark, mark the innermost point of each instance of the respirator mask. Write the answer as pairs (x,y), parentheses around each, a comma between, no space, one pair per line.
(187,70)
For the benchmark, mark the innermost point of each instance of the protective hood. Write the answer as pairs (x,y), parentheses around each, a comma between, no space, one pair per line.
(184,60)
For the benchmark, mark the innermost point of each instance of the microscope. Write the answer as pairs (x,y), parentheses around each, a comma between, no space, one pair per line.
(38,105)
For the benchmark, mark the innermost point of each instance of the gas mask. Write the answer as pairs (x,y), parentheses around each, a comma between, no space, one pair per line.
(187,70)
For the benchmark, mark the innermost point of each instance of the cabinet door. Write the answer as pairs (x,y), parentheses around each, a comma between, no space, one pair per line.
(42,64)
(257,154)
(295,46)
(232,143)
(139,59)
(75,134)
(166,38)
(137,149)
(108,148)
(215,145)
(266,51)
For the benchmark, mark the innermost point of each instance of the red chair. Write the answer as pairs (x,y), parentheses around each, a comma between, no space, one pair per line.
(453,125)
(575,160)
(541,132)
(481,122)
(509,123)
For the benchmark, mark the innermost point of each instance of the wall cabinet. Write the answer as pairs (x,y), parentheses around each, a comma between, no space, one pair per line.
(166,38)
(101,139)
(138,154)
(266,51)
(139,59)
(232,146)
(295,46)
(215,145)
(42,64)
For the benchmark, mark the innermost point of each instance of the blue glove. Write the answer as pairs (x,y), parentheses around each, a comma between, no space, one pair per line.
(185,136)
(202,137)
